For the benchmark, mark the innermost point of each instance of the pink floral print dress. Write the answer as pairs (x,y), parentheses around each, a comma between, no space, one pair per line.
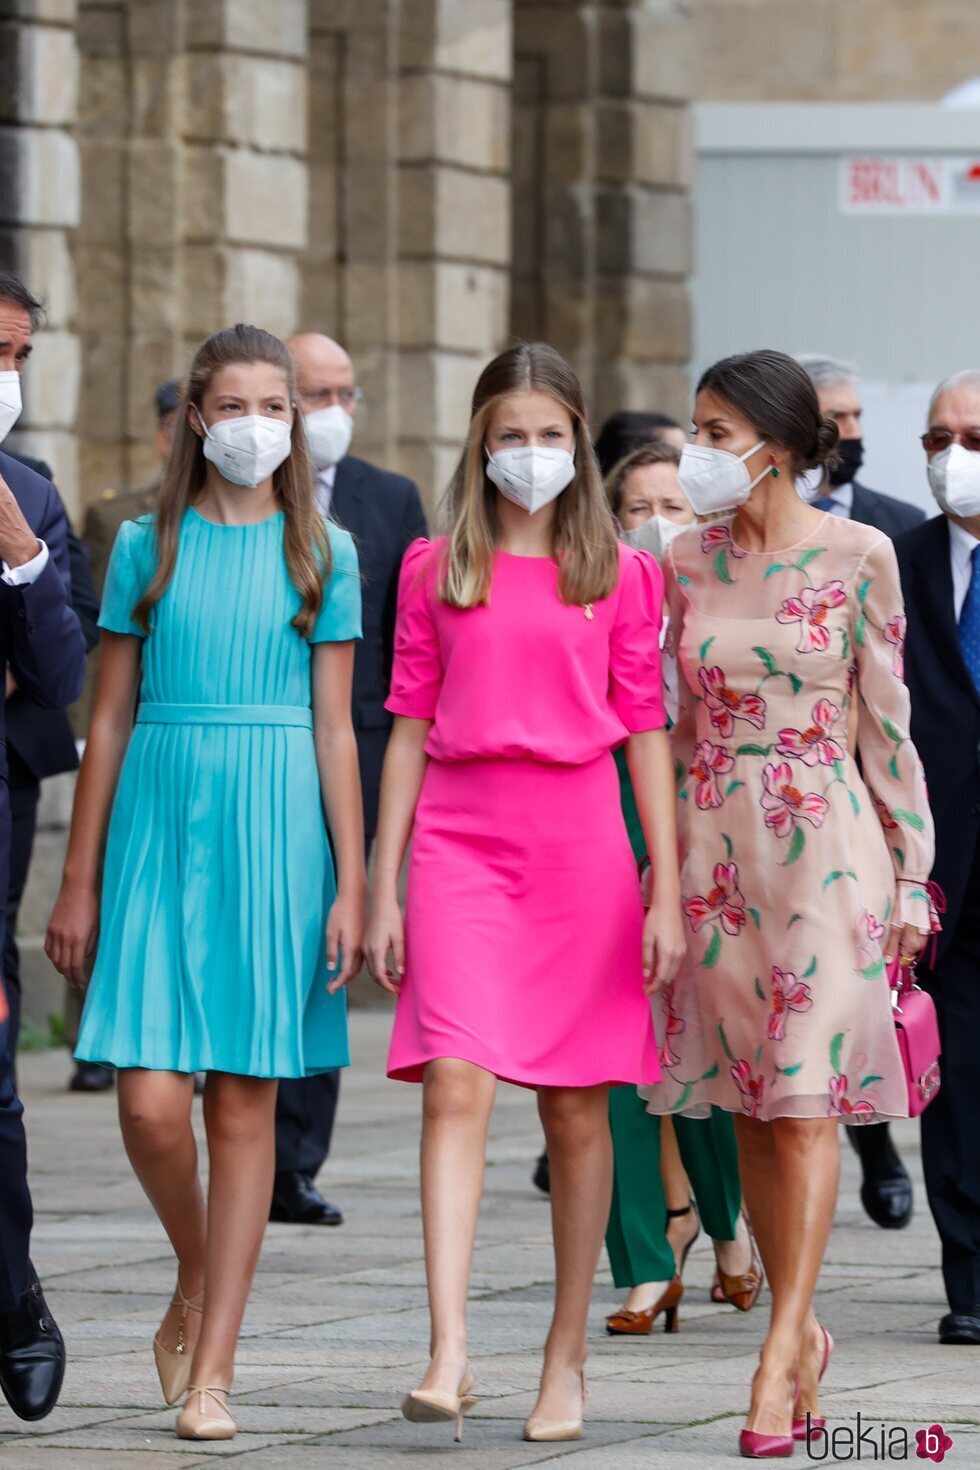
(795,861)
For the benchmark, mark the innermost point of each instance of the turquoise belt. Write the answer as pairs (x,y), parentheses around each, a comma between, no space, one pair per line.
(298,716)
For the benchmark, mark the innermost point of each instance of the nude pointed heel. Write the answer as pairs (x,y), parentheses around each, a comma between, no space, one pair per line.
(551,1431)
(194,1421)
(174,1364)
(432,1405)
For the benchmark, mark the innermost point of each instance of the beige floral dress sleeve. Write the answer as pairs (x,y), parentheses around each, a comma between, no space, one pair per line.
(796,856)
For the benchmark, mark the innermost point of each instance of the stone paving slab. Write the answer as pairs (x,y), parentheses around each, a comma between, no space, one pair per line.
(335,1332)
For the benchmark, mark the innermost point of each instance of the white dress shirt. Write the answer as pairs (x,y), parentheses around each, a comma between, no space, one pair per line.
(841,499)
(27,573)
(323,483)
(961,548)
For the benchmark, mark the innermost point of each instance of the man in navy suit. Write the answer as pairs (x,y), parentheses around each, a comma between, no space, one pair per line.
(940,566)
(886,1189)
(41,643)
(383,513)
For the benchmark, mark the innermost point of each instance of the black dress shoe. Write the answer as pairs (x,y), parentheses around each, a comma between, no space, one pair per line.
(961,1328)
(91,1077)
(886,1191)
(297,1201)
(32,1355)
(541,1178)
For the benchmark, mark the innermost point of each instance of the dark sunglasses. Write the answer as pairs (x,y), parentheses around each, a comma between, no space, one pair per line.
(936,440)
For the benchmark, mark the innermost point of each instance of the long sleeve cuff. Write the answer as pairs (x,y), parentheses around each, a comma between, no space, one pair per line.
(24,575)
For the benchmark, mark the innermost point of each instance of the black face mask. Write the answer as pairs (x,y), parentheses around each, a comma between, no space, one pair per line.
(850,457)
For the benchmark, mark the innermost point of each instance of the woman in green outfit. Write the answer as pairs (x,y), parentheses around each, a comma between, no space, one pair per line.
(649,1233)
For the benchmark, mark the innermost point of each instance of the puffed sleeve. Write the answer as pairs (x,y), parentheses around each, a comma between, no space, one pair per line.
(635,680)
(416,675)
(890,763)
(339,618)
(127,578)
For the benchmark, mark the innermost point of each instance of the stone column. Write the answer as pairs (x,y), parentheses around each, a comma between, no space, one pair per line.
(39,203)
(602,234)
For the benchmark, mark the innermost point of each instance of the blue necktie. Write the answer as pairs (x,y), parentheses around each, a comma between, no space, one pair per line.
(970,621)
(825,503)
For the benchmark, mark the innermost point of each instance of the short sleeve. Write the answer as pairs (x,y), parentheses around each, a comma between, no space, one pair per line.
(635,677)
(339,618)
(127,579)
(416,676)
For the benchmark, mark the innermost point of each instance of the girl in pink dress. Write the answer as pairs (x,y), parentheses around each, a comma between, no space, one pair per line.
(527,647)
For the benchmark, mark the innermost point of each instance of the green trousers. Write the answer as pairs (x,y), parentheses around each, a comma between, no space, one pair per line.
(636,1237)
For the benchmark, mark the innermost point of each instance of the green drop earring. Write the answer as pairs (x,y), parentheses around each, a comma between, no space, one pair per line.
(775,471)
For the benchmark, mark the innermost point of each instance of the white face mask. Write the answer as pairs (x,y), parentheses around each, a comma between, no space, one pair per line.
(955,479)
(531,477)
(329,432)
(655,535)
(810,484)
(10,402)
(247,451)
(714,480)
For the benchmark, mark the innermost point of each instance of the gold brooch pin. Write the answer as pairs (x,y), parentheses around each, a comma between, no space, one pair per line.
(587,609)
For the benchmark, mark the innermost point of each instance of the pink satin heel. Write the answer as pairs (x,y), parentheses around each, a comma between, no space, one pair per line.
(804,1425)
(755,1446)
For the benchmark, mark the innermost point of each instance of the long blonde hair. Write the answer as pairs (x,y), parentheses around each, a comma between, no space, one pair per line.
(306,544)
(584,536)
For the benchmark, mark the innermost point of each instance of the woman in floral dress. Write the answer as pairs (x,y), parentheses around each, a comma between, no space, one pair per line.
(802,873)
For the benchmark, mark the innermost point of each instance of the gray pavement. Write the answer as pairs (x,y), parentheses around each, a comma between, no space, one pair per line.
(336,1328)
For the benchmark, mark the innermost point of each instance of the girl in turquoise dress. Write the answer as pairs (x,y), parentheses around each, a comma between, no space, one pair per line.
(224,939)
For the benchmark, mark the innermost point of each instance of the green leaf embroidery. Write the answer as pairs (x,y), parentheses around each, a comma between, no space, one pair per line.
(794,918)
(680,771)
(790,1071)
(838,770)
(871,1077)
(758,1054)
(753,749)
(777,566)
(728,844)
(720,565)
(864,589)
(767,659)
(892,732)
(839,873)
(796,682)
(759,990)
(711,1072)
(854,802)
(811,968)
(756,918)
(862,623)
(713,951)
(733,786)
(893,767)
(808,557)
(911,819)
(796,847)
(724,1042)
(705,646)
(888,910)
(682,1100)
(899,854)
(845,643)
(871,972)
(835,1047)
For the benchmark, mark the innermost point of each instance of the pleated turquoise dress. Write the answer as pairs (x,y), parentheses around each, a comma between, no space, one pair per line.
(218,873)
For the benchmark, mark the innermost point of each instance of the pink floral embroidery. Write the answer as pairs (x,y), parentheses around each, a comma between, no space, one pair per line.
(785,805)
(874,927)
(725,706)
(749,1086)
(673,1026)
(788,994)
(815,745)
(884,816)
(869,933)
(810,610)
(719,538)
(710,762)
(840,1103)
(724,902)
(895,633)
(850,681)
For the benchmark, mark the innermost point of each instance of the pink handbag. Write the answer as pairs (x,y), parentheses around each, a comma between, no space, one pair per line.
(917,1034)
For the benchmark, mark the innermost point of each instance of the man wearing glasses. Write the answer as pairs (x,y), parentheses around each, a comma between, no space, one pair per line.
(383,512)
(940,566)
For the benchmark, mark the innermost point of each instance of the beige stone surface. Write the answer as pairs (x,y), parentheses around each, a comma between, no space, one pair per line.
(451,119)
(45,164)
(335,1330)
(277,29)
(467,36)
(44,61)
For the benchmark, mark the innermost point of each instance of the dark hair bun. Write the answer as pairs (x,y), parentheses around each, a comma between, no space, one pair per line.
(779,400)
(827,436)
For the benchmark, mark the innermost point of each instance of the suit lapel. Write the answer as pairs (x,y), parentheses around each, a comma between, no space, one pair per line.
(347,505)
(933,593)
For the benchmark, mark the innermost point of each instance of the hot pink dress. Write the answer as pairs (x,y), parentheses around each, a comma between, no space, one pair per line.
(524,916)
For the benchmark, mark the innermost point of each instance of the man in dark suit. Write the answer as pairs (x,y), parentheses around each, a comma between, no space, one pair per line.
(886,1189)
(383,513)
(41,643)
(40,743)
(940,566)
